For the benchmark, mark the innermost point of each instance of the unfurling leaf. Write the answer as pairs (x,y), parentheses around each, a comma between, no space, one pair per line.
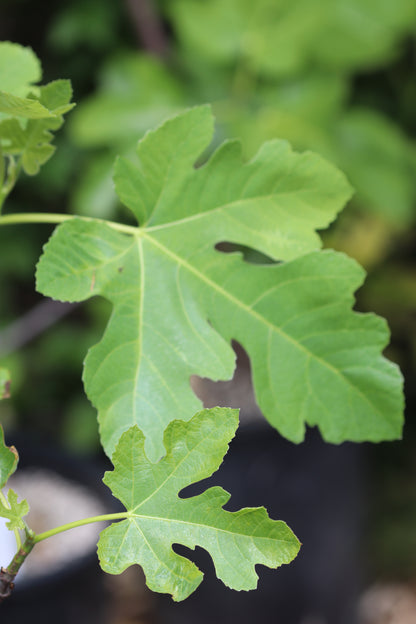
(14,512)
(158,518)
(8,460)
(31,141)
(28,113)
(178,302)
(22,107)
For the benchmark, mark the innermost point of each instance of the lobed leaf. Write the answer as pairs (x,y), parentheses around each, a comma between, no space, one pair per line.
(158,518)
(178,302)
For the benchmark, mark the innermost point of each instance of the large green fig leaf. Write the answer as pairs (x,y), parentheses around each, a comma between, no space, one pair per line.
(178,302)
(158,518)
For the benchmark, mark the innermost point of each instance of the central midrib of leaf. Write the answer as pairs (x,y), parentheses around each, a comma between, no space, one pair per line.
(237,302)
(132,518)
(141,305)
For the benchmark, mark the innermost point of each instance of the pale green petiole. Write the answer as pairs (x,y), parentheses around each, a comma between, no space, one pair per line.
(77,523)
(53,218)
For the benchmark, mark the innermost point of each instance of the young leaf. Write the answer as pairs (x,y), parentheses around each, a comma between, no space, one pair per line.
(15,512)
(19,68)
(54,101)
(22,107)
(178,301)
(8,460)
(158,518)
(32,141)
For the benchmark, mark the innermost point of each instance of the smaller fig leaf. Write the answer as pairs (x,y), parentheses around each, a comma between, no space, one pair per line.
(158,517)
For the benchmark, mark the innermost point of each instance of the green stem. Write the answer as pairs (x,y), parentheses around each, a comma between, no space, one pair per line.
(52,219)
(26,548)
(77,523)
(7,575)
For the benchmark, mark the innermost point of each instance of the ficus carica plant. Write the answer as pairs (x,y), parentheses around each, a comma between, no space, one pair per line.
(177,303)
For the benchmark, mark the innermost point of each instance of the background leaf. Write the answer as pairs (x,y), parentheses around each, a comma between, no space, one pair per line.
(158,518)
(276,37)
(136,92)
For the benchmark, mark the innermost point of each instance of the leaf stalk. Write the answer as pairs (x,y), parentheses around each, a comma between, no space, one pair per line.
(77,523)
(56,218)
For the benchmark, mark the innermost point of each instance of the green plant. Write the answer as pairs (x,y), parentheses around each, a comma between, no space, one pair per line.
(178,301)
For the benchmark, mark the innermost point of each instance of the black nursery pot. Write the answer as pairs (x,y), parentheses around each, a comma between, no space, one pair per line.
(75,592)
(315,488)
